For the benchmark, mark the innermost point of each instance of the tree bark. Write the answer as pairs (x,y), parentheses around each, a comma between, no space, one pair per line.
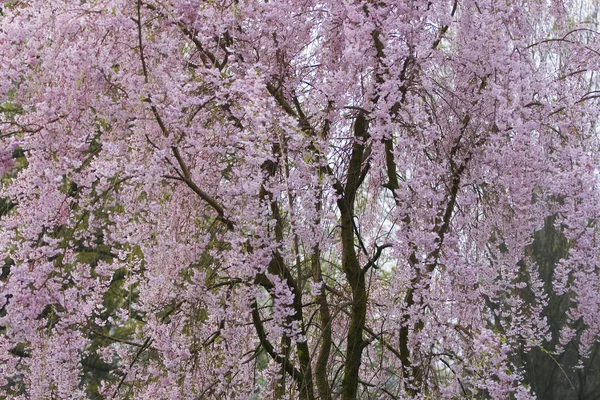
(350,263)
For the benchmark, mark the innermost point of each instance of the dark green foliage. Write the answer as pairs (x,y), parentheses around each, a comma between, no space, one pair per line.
(552,376)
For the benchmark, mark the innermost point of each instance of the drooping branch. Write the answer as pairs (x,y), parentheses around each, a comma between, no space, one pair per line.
(270,349)
(185,174)
(441,229)
(186,177)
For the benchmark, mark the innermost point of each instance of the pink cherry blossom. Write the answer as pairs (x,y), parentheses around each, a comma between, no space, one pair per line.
(296,199)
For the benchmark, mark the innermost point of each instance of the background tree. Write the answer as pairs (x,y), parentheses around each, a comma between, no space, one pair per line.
(305,199)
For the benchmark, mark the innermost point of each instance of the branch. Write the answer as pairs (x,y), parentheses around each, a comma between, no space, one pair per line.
(356,158)
(146,344)
(564,38)
(390,163)
(360,241)
(114,339)
(186,172)
(457,378)
(594,94)
(139,30)
(444,28)
(185,176)
(276,93)
(372,261)
(262,337)
(143,347)
(192,36)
